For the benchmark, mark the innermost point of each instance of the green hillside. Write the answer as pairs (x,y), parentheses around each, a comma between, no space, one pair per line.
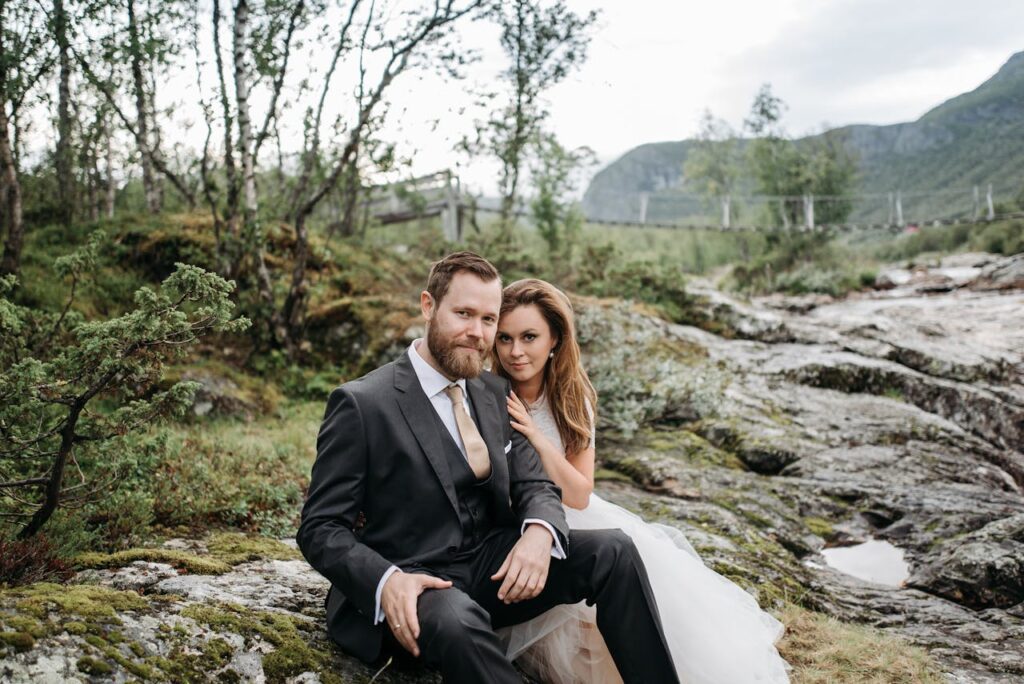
(973,139)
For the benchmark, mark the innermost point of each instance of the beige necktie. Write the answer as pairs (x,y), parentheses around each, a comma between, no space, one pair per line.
(476,450)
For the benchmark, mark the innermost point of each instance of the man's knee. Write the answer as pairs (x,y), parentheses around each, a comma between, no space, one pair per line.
(620,546)
(612,550)
(449,618)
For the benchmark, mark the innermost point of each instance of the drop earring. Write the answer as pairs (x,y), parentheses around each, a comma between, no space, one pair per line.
(551,354)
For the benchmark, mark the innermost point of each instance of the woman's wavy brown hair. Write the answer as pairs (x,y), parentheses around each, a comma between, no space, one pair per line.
(566,384)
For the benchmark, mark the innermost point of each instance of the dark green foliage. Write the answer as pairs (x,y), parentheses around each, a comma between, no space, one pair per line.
(999,237)
(606,272)
(558,220)
(799,263)
(71,388)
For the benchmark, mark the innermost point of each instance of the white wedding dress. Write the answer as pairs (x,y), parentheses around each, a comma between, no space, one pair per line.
(716,631)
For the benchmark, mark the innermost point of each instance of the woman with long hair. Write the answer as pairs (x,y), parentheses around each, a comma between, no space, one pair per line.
(716,631)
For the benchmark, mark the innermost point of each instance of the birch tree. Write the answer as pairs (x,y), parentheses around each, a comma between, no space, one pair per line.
(421,38)
(544,43)
(141,58)
(26,57)
(713,165)
(61,27)
(262,38)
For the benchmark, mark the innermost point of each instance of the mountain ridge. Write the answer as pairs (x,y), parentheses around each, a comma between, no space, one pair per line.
(971,139)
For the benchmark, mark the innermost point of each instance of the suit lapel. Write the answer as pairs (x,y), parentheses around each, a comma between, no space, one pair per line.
(488,420)
(420,415)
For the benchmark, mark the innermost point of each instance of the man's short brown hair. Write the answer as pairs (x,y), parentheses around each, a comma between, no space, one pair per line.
(442,272)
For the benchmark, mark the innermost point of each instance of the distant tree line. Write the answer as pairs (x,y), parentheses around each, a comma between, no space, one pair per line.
(781,168)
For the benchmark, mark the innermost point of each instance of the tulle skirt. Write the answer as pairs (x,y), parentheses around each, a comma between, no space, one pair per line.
(716,631)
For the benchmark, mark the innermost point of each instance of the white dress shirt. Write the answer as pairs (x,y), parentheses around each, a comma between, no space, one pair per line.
(434,384)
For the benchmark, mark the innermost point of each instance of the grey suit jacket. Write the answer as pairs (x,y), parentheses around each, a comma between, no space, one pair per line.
(379,452)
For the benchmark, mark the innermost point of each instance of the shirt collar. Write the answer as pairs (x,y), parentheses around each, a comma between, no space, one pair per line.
(431,380)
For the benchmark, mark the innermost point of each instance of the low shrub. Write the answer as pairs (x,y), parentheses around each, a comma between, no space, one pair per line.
(25,561)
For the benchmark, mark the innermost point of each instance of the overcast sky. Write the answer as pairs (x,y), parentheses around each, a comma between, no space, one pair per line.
(656,65)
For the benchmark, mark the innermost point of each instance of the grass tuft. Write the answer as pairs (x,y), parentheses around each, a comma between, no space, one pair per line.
(823,650)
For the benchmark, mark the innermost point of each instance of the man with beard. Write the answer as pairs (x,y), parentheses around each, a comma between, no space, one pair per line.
(459,524)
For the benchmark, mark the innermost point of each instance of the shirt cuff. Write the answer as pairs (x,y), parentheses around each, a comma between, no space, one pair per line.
(378,612)
(556,550)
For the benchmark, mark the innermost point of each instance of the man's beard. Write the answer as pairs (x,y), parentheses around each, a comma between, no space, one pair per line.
(453,363)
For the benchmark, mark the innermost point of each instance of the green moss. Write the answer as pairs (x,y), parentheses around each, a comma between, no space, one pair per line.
(75,627)
(249,391)
(25,623)
(21,641)
(140,670)
(217,652)
(182,665)
(656,511)
(631,467)
(189,562)
(95,641)
(604,474)
(229,677)
(233,548)
(692,448)
(92,666)
(97,604)
(819,526)
(893,393)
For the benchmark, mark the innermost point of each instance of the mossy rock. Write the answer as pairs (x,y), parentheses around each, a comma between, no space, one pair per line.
(43,610)
(191,563)
(606,475)
(819,526)
(361,331)
(225,390)
(93,666)
(187,238)
(294,651)
(87,601)
(821,649)
(234,548)
(690,447)
(761,455)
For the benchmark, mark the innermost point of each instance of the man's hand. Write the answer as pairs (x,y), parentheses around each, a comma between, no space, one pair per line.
(398,600)
(525,569)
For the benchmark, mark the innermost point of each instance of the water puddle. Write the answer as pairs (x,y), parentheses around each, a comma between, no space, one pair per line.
(873,561)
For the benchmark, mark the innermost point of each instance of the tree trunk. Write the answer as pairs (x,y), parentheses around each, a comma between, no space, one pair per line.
(10,194)
(111,195)
(65,179)
(155,139)
(351,198)
(142,136)
(230,171)
(249,202)
(55,484)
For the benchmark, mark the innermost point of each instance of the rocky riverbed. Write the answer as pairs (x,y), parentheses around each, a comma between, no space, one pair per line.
(804,423)
(896,415)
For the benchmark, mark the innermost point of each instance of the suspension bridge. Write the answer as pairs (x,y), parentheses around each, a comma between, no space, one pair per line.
(441,195)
